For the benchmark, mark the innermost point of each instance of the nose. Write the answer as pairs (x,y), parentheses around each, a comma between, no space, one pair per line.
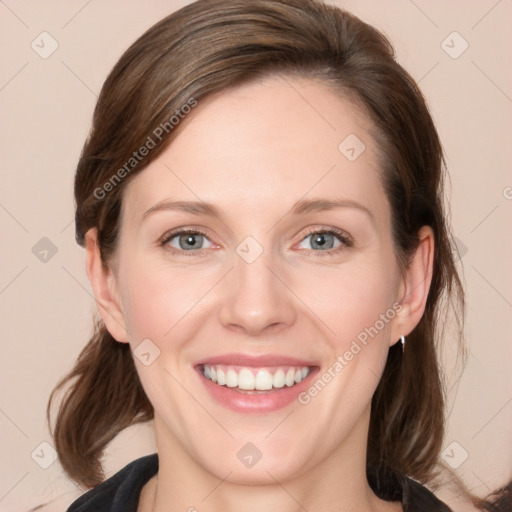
(256,298)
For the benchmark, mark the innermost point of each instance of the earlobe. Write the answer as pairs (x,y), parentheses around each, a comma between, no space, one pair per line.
(415,285)
(102,281)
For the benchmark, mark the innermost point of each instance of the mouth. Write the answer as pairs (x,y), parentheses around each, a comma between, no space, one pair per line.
(256,380)
(259,384)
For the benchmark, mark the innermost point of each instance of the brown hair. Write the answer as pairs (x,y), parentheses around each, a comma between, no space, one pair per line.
(207,47)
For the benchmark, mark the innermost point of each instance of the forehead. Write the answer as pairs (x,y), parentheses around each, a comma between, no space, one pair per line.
(264,144)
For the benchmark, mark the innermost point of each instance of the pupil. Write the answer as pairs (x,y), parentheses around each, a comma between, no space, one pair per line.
(320,237)
(320,241)
(190,240)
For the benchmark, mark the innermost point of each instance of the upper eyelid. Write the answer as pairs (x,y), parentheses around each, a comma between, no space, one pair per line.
(171,233)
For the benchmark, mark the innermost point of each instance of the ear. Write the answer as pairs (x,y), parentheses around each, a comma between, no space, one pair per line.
(105,292)
(415,285)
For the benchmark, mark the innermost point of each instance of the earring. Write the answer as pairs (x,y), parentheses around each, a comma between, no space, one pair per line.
(402,341)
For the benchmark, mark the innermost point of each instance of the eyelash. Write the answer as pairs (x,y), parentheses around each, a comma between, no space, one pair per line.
(341,235)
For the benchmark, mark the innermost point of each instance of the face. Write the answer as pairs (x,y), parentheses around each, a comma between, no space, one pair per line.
(282,278)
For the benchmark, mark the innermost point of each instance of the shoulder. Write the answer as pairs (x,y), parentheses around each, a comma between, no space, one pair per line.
(121,491)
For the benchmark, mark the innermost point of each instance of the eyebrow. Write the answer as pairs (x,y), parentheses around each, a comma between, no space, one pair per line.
(301,207)
(194,207)
(315,205)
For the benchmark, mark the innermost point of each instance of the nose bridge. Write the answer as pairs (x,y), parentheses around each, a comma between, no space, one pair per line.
(254,297)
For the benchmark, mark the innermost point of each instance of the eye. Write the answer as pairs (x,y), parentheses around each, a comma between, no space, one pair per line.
(326,241)
(192,241)
(186,240)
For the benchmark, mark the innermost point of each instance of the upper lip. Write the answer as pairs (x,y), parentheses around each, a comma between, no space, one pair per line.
(264,360)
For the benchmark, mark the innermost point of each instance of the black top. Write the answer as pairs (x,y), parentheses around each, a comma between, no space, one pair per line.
(121,492)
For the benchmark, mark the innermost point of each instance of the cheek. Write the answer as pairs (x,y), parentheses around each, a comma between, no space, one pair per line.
(358,306)
(351,299)
(156,298)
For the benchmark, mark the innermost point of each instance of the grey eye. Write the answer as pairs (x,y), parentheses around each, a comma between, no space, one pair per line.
(322,240)
(187,241)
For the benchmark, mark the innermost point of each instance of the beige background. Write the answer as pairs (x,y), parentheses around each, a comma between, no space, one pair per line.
(46,107)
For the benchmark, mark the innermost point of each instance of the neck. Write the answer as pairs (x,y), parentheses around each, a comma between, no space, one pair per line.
(338,482)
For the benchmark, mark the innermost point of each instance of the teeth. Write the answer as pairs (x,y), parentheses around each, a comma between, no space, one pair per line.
(246,379)
(259,379)
(278,379)
(231,379)
(263,380)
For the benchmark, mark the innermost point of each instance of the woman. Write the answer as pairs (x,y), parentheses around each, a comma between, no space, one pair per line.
(260,199)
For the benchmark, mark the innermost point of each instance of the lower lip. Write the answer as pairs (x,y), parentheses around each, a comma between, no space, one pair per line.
(253,401)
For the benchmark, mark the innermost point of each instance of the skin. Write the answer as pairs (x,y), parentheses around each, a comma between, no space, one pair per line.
(253,151)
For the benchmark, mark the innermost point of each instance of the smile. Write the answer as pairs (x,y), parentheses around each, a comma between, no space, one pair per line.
(249,383)
(259,379)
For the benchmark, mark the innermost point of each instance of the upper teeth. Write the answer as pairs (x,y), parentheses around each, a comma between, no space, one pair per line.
(254,378)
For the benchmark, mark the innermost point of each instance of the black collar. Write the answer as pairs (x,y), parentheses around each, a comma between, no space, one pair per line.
(121,492)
